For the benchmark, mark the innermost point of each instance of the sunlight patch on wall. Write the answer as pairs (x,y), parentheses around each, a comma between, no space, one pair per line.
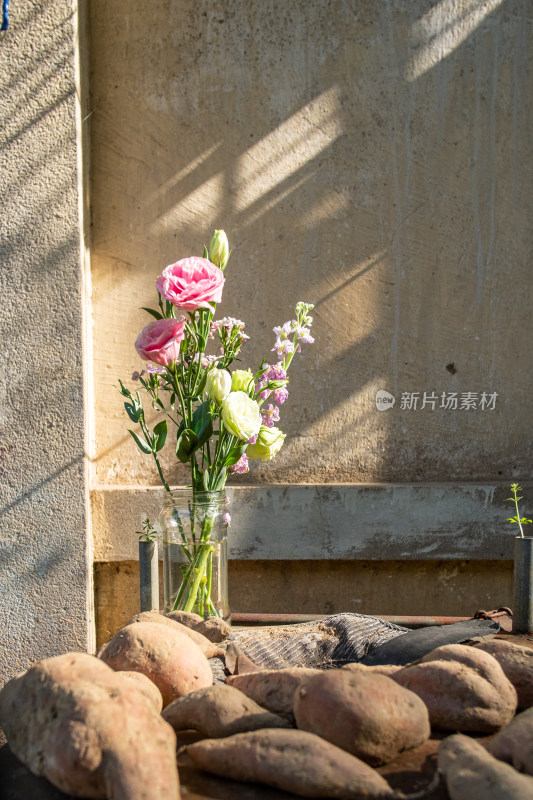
(199,203)
(187,170)
(288,148)
(442,30)
(326,208)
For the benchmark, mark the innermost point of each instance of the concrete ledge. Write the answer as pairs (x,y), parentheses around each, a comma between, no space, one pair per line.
(347,521)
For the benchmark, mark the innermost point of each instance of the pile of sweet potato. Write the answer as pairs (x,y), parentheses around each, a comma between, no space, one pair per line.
(106,726)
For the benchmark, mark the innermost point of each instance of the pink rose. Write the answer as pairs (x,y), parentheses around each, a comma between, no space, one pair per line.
(160,341)
(191,283)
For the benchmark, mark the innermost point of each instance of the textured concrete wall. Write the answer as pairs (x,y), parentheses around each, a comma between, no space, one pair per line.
(45,578)
(372,158)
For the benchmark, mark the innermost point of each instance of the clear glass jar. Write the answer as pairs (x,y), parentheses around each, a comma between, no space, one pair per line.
(195,556)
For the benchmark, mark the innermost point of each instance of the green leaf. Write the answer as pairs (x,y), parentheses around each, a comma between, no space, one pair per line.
(123,390)
(153,312)
(202,423)
(205,433)
(234,455)
(202,383)
(201,413)
(220,481)
(205,480)
(132,413)
(160,435)
(141,444)
(187,443)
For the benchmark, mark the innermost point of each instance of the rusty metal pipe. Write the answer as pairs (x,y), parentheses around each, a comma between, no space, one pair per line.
(294,619)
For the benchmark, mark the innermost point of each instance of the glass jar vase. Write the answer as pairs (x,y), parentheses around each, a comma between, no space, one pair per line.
(195,557)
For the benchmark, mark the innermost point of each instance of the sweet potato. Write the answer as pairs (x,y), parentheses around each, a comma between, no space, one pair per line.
(213,628)
(471,773)
(464,688)
(144,685)
(514,743)
(188,618)
(169,658)
(364,713)
(273,689)
(207,647)
(294,761)
(380,669)
(218,711)
(89,730)
(517,663)
(237,662)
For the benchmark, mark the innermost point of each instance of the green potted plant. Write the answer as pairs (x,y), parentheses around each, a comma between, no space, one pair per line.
(523,570)
(148,567)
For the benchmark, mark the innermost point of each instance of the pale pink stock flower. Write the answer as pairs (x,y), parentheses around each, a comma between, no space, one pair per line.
(241,467)
(227,322)
(191,283)
(207,361)
(160,341)
(280,395)
(283,347)
(270,415)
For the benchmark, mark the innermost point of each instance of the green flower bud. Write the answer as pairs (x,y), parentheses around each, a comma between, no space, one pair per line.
(241,380)
(269,443)
(219,250)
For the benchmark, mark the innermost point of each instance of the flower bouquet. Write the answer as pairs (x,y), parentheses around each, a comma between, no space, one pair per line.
(221,418)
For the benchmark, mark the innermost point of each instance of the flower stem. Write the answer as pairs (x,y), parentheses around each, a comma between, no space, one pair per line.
(197,578)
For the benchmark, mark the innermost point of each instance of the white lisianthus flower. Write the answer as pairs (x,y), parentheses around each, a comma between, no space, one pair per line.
(218,384)
(269,442)
(241,380)
(241,415)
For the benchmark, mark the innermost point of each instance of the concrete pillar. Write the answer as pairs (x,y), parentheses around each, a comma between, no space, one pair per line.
(45,560)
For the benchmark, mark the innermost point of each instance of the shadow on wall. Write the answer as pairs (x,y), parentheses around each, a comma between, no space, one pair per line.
(368,157)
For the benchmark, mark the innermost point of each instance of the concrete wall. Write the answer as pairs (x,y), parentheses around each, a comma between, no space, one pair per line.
(372,158)
(46,599)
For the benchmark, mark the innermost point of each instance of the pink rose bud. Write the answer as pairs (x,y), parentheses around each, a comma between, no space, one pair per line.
(191,283)
(160,341)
